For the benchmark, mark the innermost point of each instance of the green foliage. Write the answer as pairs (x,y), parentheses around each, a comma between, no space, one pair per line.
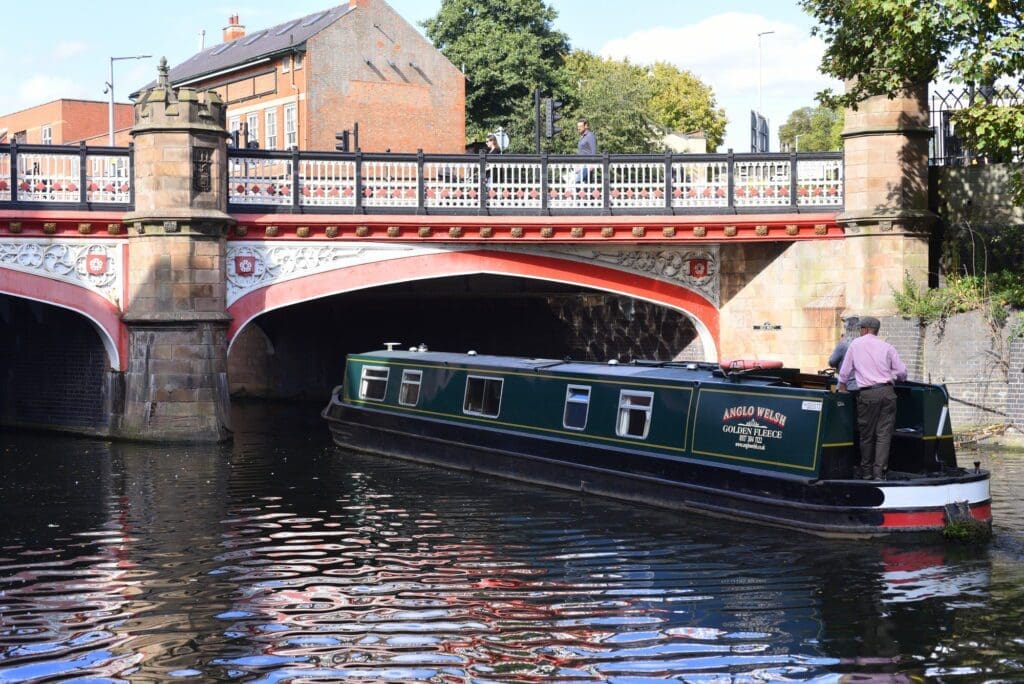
(614,96)
(819,129)
(879,46)
(968,531)
(995,294)
(506,48)
(631,107)
(683,103)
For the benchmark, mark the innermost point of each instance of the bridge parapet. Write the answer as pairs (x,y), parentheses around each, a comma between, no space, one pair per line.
(66,177)
(339,182)
(265,181)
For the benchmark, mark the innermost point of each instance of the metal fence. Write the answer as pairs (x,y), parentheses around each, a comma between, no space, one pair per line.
(948,148)
(66,176)
(341,182)
(80,177)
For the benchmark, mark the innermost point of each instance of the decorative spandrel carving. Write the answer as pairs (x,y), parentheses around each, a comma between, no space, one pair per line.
(95,266)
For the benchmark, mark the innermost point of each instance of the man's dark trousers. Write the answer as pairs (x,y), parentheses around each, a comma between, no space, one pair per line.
(876,420)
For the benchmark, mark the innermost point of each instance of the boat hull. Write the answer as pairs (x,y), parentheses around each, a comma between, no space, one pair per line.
(833,508)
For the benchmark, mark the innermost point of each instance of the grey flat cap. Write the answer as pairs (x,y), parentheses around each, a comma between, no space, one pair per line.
(870,322)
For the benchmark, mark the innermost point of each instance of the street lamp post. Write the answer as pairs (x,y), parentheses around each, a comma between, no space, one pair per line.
(110,89)
(760,105)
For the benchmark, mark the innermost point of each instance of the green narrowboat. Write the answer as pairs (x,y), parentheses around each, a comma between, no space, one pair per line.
(771,445)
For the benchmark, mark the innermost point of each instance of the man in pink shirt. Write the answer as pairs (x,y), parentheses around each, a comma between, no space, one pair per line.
(876,366)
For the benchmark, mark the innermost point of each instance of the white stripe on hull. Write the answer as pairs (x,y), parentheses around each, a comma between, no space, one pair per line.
(932,496)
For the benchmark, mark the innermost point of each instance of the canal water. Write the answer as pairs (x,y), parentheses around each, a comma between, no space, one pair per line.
(282,558)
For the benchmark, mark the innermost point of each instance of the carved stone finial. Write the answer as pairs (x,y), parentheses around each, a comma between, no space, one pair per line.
(161,80)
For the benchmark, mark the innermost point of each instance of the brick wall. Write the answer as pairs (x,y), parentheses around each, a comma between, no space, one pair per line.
(52,366)
(982,369)
(408,97)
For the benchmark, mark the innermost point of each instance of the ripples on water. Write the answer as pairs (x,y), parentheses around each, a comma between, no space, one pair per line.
(282,558)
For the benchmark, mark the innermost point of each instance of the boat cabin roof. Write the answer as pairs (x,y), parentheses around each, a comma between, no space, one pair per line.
(690,371)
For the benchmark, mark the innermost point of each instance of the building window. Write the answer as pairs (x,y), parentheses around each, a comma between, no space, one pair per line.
(271,122)
(483,396)
(291,129)
(252,133)
(297,60)
(577,406)
(374,383)
(634,414)
(409,394)
(234,126)
(47,135)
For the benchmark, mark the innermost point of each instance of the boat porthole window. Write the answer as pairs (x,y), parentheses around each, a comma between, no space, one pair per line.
(634,418)
(483,396)
(409,393)
(577,407)
(374,383)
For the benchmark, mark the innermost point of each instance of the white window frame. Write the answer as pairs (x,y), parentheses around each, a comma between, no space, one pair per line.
(468,410)
(571,399)
(46,135)
(252,122)
(367,376)
(235,126)
(644,403)
(291,127)
(297,60)
(410,378)
(270,124)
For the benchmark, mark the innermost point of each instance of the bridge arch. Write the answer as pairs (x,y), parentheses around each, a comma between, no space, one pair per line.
(102,314)
(703,313)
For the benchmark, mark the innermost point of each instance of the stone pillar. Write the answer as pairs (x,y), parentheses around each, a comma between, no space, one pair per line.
(886,216)
(176,383)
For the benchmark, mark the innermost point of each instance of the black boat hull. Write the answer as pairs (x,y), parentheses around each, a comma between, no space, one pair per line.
(833,508)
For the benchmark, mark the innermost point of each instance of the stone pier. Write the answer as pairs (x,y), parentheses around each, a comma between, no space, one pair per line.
(176,385)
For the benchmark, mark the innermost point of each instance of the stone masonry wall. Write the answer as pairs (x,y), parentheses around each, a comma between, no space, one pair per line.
(982,368)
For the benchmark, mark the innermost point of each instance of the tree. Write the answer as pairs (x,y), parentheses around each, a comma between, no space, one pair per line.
(878,46)
(819,129)
(506,49)
(631,107)
(684,103)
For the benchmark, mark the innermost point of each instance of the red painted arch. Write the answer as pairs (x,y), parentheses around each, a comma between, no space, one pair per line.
(104,316)
(445,264)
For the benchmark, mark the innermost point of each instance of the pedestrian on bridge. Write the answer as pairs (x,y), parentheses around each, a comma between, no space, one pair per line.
(586,145)
(876,366)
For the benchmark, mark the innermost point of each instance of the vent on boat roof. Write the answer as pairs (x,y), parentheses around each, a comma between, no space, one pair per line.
(253,38)
(313,20)
(471,352)
(223,48)
(286,28)
(613,362)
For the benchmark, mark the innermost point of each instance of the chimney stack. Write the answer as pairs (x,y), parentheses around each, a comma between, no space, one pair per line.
(234,30)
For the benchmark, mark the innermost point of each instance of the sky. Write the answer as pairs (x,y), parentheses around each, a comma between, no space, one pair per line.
(65,51)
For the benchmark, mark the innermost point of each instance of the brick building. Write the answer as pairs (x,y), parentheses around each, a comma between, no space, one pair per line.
(67,122)
(301,82)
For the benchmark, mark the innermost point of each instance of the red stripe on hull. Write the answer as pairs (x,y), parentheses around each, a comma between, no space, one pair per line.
(932,517)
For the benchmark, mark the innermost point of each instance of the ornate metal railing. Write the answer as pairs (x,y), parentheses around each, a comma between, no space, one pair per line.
(261,180)
(80,177)
(947,147)
(66,176)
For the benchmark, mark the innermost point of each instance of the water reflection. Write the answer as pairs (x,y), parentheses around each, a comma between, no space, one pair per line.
(281,558)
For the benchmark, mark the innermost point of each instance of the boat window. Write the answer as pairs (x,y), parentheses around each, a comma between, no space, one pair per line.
(409,394)
(374,383)
(577,406)
(483,396)
(634,414)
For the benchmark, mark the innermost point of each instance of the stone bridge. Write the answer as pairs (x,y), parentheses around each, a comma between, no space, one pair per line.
(171,252)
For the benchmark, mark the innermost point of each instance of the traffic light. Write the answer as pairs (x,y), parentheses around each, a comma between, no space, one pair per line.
(342,138)
(552,115)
